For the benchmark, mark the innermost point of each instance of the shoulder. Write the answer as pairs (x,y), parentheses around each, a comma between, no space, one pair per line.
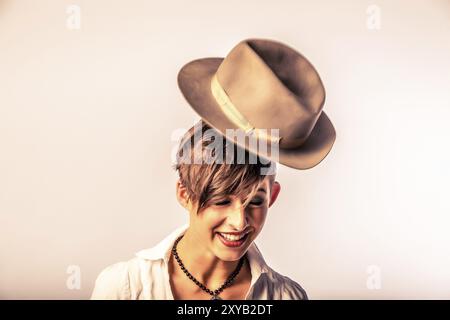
(116,281)
(285,288)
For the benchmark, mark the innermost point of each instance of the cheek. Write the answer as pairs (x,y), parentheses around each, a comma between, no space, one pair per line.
(211,220)
(259,217)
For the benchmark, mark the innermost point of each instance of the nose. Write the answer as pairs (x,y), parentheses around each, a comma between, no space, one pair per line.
(237,217)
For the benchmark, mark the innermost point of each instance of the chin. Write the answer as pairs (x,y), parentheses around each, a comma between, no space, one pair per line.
(231,257)
(230,254)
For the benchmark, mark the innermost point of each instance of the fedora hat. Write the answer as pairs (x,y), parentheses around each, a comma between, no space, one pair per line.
(269,91)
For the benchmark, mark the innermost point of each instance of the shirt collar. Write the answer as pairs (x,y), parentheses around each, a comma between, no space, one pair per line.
(164,248)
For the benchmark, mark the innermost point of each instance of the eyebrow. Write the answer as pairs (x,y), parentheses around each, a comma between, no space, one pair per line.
(263,190)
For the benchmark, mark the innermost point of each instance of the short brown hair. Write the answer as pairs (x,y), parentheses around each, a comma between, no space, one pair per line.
(214,180)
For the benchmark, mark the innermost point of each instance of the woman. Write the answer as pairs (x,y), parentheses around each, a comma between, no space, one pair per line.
(214,256)
(261,84)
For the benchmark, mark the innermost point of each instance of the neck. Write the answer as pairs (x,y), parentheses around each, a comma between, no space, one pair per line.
(203,264)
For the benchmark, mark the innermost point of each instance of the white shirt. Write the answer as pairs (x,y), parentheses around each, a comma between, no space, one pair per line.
(146,276)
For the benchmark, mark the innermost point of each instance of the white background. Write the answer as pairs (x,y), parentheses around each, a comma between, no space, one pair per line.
(86,118)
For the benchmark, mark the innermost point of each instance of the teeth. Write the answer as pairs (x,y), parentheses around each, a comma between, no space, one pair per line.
(230,237)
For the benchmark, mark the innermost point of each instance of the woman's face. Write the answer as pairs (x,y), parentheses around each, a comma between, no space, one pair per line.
(226,228)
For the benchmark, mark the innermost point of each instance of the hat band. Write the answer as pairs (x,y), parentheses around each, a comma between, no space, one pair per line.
(233,114)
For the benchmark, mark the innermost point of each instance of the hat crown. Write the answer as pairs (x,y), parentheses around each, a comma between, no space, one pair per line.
(273,87)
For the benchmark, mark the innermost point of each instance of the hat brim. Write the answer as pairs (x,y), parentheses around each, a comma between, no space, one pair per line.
(194,81)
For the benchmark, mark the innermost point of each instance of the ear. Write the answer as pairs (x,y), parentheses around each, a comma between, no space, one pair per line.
(274,192)
(182,195)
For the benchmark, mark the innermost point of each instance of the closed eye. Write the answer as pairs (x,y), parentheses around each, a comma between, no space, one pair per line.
(223,203)
(257,202)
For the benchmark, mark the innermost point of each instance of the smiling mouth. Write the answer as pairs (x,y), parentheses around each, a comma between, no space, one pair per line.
(233,240)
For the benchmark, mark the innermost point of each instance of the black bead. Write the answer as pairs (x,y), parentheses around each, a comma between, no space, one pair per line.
(198,283)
